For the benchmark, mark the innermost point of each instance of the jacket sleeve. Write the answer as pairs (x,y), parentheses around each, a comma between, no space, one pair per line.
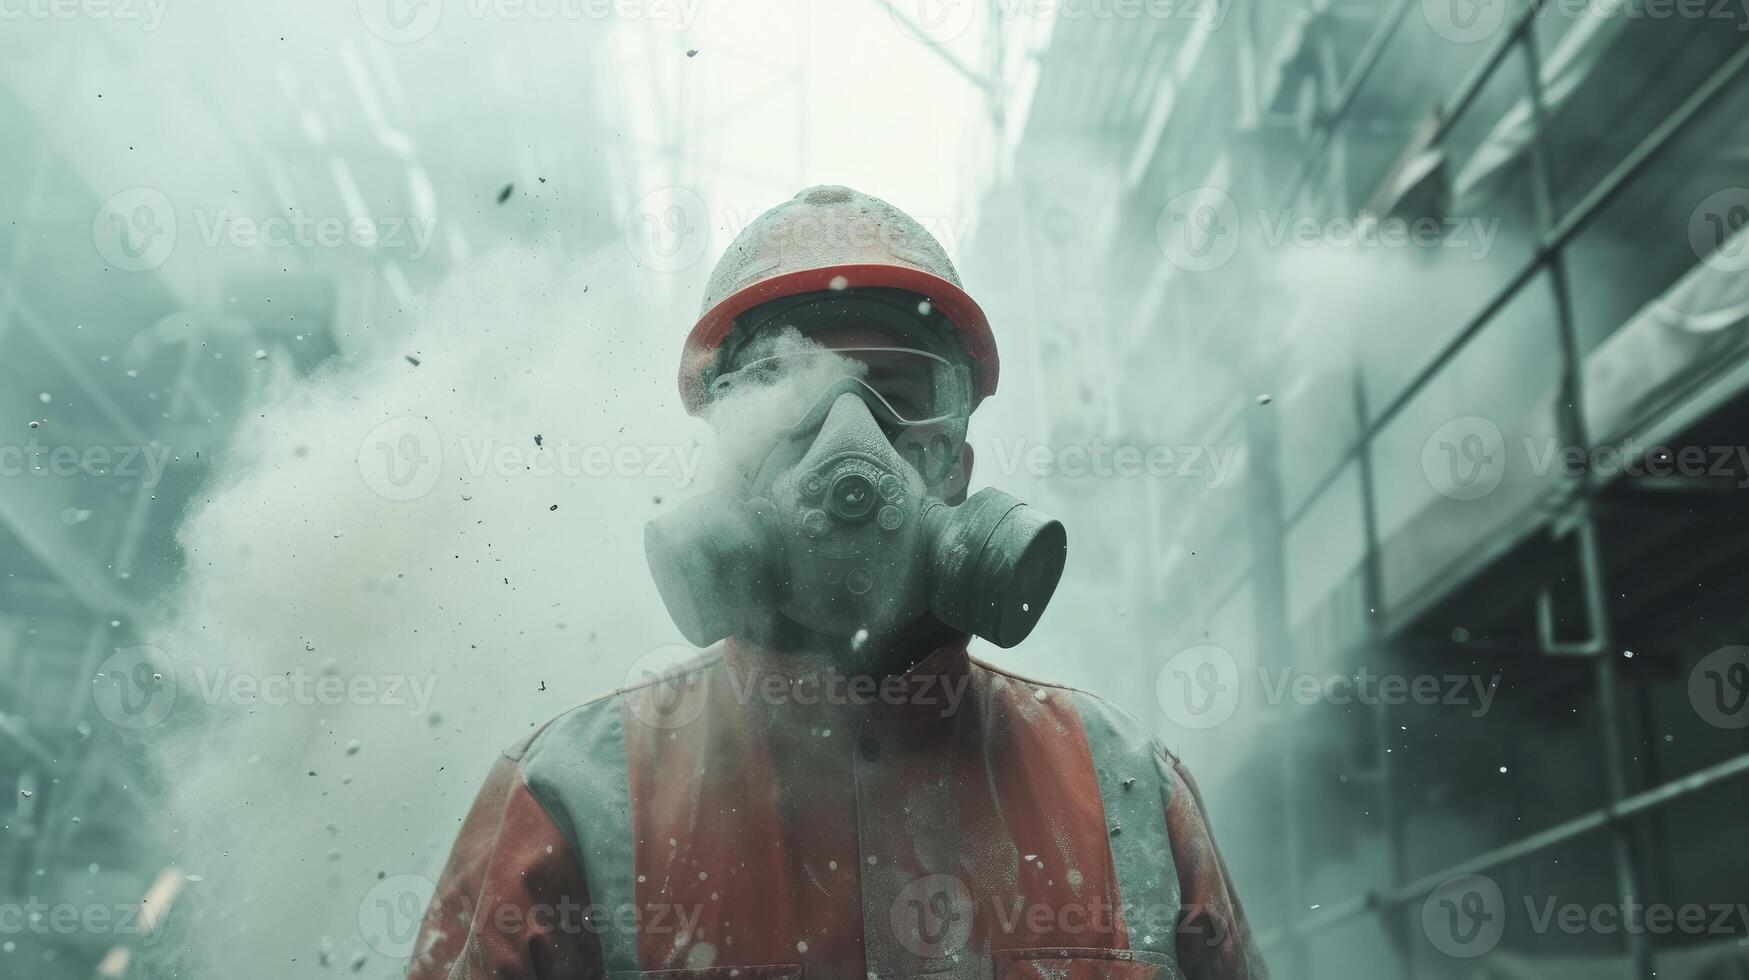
(1214,939)
(512,903)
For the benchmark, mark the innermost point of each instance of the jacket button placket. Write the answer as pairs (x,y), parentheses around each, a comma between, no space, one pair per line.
(918,915)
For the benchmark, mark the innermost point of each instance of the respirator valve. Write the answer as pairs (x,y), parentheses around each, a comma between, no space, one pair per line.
(994,563)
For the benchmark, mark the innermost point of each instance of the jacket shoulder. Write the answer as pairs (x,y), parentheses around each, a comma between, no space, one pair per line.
(1107,725)
(590,721)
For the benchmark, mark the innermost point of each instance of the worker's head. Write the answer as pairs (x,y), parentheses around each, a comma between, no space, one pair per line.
(831,243)
(906,360)
(844,321)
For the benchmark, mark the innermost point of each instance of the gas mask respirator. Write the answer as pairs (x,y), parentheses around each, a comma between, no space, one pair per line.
(839,533)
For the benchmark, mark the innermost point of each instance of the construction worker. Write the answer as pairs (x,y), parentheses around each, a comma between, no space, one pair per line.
(834,788)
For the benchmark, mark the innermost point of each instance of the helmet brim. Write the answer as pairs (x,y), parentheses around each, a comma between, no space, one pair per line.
(954,303)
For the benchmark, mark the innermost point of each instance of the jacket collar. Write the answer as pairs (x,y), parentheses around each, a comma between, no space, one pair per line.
(935,686)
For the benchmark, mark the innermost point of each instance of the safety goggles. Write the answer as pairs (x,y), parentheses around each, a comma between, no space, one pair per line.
(919,399)
(903,387)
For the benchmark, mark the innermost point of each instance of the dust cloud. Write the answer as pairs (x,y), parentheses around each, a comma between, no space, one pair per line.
(399,569)
(394,530)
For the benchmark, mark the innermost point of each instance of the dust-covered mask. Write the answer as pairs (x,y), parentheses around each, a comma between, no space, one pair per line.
(836,530)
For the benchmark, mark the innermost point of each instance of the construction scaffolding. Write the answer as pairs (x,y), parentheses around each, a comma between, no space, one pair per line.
(1574,332)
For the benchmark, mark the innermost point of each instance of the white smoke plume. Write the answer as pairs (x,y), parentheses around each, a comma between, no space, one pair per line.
(400,569)
(391,527)
(749,414)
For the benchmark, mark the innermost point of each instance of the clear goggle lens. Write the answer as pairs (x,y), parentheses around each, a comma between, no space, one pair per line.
(913,387)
